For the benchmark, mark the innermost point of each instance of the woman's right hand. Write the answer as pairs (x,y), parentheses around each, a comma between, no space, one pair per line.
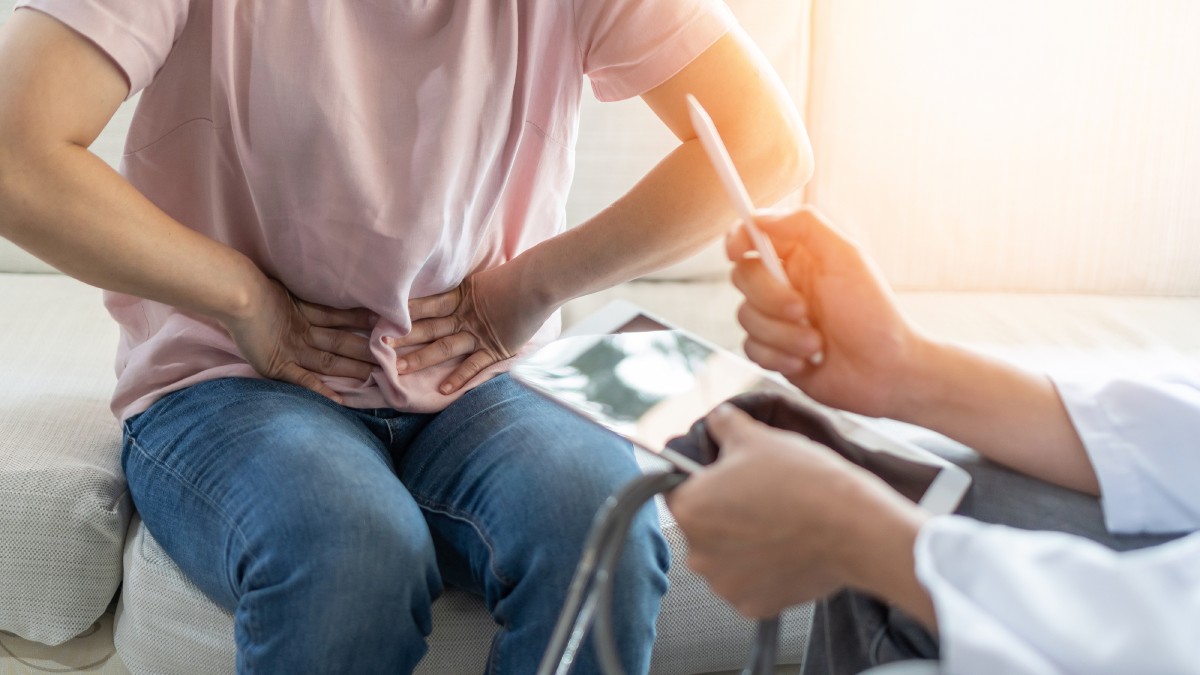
(837,303)
(285,338)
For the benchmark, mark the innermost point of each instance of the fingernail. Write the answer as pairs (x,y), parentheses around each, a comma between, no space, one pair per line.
(401,364)
(389,340)
(445,389)
(796,310)
(723,410)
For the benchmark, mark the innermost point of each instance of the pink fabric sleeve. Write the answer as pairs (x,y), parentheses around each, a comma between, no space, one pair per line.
(628,47)
(136,34)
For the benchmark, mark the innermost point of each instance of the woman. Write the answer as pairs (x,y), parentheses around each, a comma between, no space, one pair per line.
(335,223)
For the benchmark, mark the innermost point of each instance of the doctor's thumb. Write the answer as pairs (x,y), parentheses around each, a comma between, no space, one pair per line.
(729,426)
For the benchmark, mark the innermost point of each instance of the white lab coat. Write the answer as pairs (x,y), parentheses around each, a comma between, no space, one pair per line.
(1014,602)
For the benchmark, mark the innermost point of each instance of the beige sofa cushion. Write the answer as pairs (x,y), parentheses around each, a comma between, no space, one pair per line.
(1016,145)
(63,502)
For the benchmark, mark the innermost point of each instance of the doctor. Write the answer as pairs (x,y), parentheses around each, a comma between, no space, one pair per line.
(779,521)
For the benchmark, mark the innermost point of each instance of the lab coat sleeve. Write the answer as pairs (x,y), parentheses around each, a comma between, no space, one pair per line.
(1143,438)
(1017,602)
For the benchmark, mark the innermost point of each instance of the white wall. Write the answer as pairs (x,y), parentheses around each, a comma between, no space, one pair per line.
(1045,145)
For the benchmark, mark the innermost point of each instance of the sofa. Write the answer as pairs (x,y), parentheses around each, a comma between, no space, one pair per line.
(1023,172)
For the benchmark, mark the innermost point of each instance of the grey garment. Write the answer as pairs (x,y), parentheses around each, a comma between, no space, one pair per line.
(853,632)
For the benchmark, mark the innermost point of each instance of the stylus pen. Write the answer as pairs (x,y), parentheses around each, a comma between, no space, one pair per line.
(718,156)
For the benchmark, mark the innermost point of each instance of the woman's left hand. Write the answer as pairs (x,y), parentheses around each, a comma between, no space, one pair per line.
(486,319)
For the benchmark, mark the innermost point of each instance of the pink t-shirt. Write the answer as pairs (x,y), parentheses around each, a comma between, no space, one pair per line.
(363,152)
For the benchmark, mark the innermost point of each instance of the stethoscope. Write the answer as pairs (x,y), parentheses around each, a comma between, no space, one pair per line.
(589,598)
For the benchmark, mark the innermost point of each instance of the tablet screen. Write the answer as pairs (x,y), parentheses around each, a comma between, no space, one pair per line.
(647,383)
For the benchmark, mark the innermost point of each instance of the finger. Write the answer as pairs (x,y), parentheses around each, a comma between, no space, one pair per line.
(296,375)
(809,228)
(328,363)
(442,304)
(342,343)
(738,243)
(331,317)
(474,364)
(766,293)
(728,425)
(441,350)
(426,330)
(793,338)
(785,364)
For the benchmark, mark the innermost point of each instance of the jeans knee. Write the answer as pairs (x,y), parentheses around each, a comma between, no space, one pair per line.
(353,557)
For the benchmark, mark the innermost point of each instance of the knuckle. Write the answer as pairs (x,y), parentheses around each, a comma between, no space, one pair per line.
(327,360)
(428,330)
(338,343)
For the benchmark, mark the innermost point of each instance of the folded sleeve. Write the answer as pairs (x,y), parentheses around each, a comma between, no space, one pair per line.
(628,47)
(136,34)
(1143,439)
(1018,602)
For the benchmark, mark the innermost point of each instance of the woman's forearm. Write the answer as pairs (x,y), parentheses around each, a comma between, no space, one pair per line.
(70,209)
(1007,414)
(671,213)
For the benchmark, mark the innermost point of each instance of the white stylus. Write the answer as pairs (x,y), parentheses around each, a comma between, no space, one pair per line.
(723,163)
(718,155)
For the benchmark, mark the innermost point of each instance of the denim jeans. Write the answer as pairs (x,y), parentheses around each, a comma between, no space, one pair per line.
(328,531)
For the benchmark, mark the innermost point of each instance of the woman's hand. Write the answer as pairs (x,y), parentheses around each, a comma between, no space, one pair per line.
(486,319)
(837,303)
(285,338)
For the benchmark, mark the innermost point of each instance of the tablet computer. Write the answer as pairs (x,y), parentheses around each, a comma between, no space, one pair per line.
(637,375)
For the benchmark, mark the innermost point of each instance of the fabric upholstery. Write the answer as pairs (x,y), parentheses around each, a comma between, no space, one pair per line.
(63,502)
(1012,146)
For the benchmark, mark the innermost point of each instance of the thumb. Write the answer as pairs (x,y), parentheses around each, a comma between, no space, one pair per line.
(809,229)
(729,426)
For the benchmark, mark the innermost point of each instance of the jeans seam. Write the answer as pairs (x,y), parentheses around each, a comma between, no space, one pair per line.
(203,497)
(445,510)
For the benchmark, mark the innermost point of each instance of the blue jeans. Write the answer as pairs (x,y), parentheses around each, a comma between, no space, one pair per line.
(329,531)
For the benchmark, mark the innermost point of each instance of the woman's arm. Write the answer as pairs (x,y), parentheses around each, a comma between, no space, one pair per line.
(672,212)
(67,207)
(680,206)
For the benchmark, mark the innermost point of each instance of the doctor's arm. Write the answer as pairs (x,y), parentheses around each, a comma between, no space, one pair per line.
(673,211)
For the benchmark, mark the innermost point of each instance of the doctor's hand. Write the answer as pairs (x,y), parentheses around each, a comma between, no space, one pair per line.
(779,520)
(837,302)
(285,338)
(486,319)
